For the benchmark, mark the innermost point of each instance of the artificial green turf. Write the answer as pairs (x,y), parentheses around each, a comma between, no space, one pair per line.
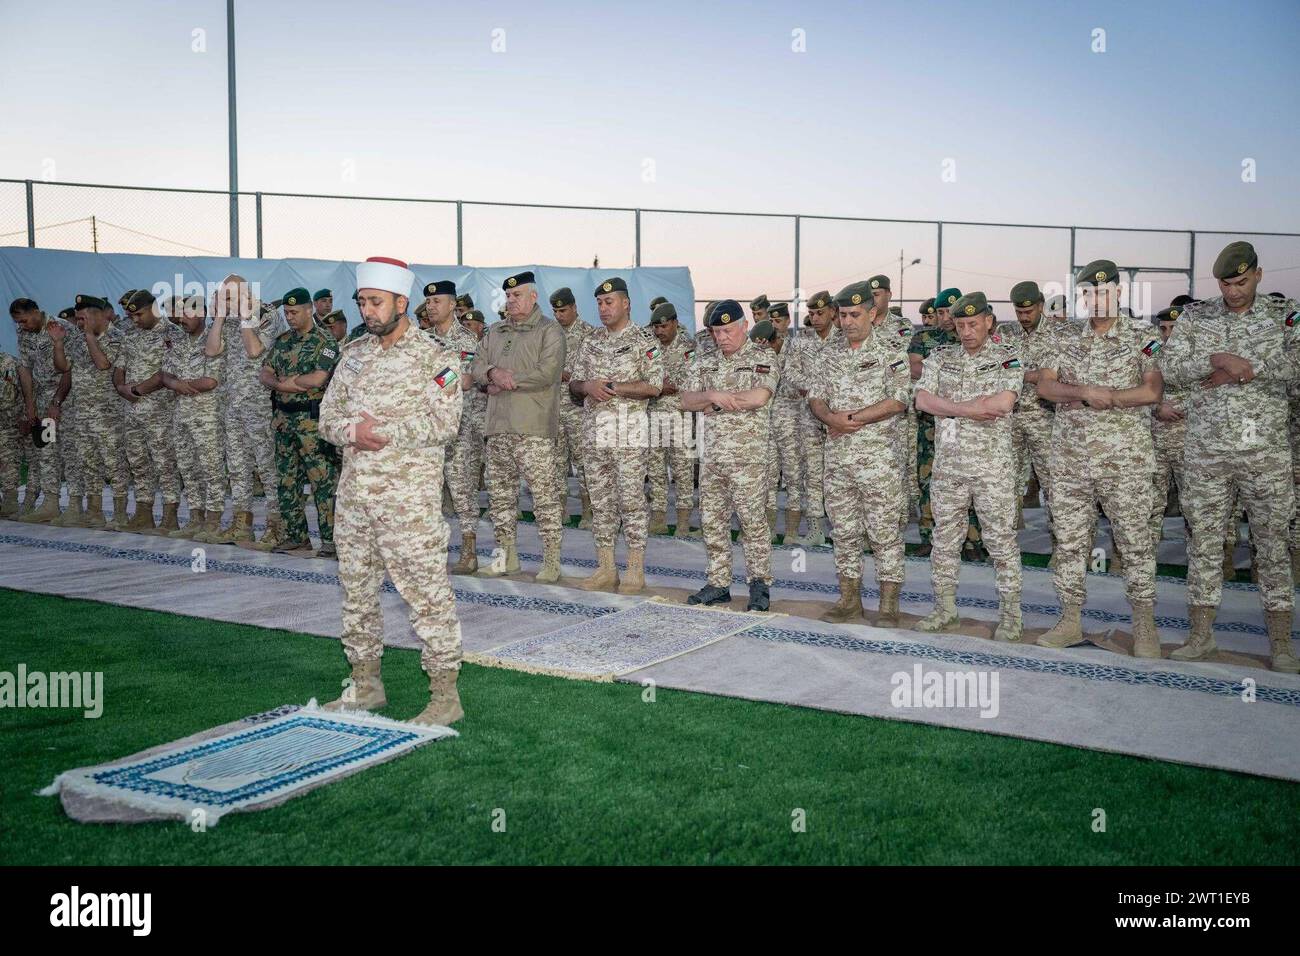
(589,773)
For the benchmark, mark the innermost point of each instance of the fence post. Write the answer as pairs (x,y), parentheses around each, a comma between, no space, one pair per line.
(938,268)
(1069,274)
(31,217)
(460,233)
(259,224)
(797,294)
(637,228)
(1191,264)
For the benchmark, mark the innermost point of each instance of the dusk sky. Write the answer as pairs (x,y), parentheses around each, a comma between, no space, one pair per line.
(674,105)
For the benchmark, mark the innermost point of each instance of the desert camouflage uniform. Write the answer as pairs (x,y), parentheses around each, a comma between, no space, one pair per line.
(807,359)
(568,441)
(301,455)
(44,465)
(897,331)
(249,444)
(1167,440)
(787,408)
(1238,434)
(1031,422)
(149,421)
(100,416)
(11,406)
(1103,457)
(733,473)
(672,431)
(389,506)
(864,488)
(616,433)
(973,463)
(465,455)
(198,422)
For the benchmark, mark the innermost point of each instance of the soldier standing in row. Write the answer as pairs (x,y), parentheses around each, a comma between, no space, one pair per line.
(823,333)
(44,390)
(568,442)
(11,443)
(787,411)
(860,388)
(1031,422)
(1168,434)
(671,429)
(619,368)
(1101,378)
(970,389)
(392,406)
(897,331)
(732,387)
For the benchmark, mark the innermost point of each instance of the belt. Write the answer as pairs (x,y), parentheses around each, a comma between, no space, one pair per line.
(296,405)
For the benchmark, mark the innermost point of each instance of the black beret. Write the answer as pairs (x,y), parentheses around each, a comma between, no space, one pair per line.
(616,284)
(140,299)
(726,312)
(523,278)
(927,307)
(562,297)
(125,295)
(1169,314)
(85,301)
(68,313)
(442,287)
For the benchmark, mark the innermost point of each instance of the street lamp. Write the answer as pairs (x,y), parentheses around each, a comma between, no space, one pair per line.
(901,269)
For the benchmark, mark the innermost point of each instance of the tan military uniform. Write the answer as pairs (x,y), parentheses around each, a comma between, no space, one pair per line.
(100,416)
(149,424)
(568,439)
(812,433)
(44,465)
(198,421)
(247,436)
(672,432)
(465,456)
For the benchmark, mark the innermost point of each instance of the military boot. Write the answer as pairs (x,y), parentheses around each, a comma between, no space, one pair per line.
(1279,639)
(511,562)
(193,525)
(9,504)
(850,603)
(887,616)
(658,523)
(816,536)
(792,518)
(95,512)
(241,529)
(633,580)
(605,577)
(584,520)
(119,520)
(142,521)
(1200,642)
(364,690)
(1066,632)
(1010,627)
(274,529)
(1229,561)
(944,614)
(168,523)
(468,562)
(73,515)
(550,570)
(1146,643)
(47,510)
(211,529)
(444,706)
(683,524)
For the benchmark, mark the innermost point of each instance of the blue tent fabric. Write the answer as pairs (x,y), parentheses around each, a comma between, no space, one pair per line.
(53,277)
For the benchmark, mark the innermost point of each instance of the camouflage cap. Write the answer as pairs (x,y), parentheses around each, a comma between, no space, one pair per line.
(780,310)
(971,304)
(819,300)
(298,296)
(853,294)
(562,297)
(760,302)
(1236,259)
(1024,294)
(1097,272)
(946,298)
(764,331)
(879,282)
(726,312)
(663,313)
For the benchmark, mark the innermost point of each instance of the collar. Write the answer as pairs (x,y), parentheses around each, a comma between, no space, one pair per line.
(528,323)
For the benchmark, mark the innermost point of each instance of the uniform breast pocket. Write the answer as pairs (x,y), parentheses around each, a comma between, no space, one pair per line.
(1262,345)
(1119,368)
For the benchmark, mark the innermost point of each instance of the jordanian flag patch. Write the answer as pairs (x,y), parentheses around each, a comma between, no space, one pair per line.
(652,353)
(1290,319)
(466,356)
(1011,363)
(689,354)
(1152,347)
(446,377)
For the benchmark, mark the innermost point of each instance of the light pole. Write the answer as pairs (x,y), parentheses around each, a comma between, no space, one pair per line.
(901,269)
(230,111)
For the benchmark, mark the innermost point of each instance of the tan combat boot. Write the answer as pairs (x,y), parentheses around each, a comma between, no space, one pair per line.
(584,520)
(658,522)
(683,524)
(792,518)
(468,561)
(1200,642)
(119,520)
(944,614)
(9,504)
(364,692)
(1066,632)
(1146,643)
(95,512)
(550,570)
(274,529)
(211,528)
(444,706)
(142,521)
(168,523)
(605,577)
(633,581)
(241,529)
(816,536)
(193,525)
(887,616)
(1010,626)
(1279,639)
(510,553)
(849,605)
(72,516)
(47,510)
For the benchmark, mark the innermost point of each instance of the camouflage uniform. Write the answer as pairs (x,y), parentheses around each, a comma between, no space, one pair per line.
(786,457)
(465,455)
(44,465)
(1103,457)
(973,463)
(672,431)
(389,506)
(864,488)
(301,456)
(1238,433)
(198,422)
(1031,422)
(568,441)
(807,359)
(11,448)
(733,473)
(249,444)
(1167,440)
(616,433)
(100,416)
(924,342)
(149,425)
(897,332)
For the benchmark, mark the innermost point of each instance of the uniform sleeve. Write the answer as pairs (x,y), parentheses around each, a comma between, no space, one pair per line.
(111,345)
(768,379)
(327,356)
(916,345)
(1178,361)
(335,418)
(1284,365)
(652,364)
(818,381)
(270,360)
(691,376)
(1013,374)
(898,379)
(438,419)
(214,366)
(479,367)
(580,367)
(1150,347)
(929,380)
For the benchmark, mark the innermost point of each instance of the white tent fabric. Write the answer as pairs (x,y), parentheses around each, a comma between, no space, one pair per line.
(53,277)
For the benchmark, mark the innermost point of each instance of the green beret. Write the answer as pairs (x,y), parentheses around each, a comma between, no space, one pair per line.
(760,303)
(298,296)
(1236,259)
(473,315)
(819,300)
(1024,294)
(724,313)
(68,313)
(764,331)
(125,295)
(1097,272)
(84,301)
(1169,314)
(335,316)
(1055,306)
(615,284)
(927,308)
(562,297)
(879,282)
(855,293)
(656,302)
(140,299)
(522,278)
(422,310)
(322,294)
(779,311)
(464,301)
(946,298)
(663,312)
(972,303)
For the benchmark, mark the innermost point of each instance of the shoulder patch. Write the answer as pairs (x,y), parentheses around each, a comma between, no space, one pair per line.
(1152,347)
(1291,319)
(328,352)
(446,377)
(652,352)
(1011,363)
(762,369)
